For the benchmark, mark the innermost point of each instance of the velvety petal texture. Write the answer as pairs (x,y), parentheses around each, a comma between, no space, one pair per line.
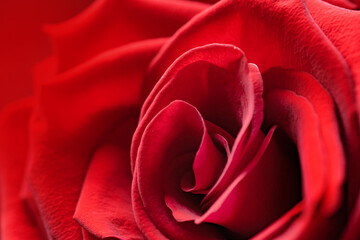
(294,101)
(307,118)
(244,157)
(156,119)
(104,207)
(347,22)
(82,97)
(63,139)
(285,35)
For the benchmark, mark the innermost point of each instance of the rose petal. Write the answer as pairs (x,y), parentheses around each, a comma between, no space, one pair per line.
(281,224)
(353,231)
(342,3)
(183,205)
(254,198)
(15,221)
(142,218)
(271,33)
(116,23)
(87,236)
(208,157)
(75,110)
(104,208)
(296,115)
(213,78)
(23,42)
(220,137)
(249,138)
(343,29)
(177,130)
(305,85)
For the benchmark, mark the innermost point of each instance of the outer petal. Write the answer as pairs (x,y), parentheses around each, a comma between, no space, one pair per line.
(110,23)
(105,208)
(15,222)
(75,111)
(343,29)
(23,42)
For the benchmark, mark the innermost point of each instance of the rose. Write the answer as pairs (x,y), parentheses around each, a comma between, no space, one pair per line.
(296,102)
(64,133)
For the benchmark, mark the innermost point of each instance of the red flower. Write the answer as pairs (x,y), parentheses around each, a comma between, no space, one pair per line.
(185,120)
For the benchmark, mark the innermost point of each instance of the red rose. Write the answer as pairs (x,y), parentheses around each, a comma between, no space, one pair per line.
(181,120)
